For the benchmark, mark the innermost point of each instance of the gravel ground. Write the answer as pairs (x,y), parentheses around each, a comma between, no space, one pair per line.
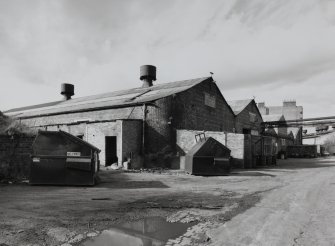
(290,204)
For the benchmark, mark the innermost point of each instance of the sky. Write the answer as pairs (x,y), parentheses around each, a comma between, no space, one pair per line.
(270,50)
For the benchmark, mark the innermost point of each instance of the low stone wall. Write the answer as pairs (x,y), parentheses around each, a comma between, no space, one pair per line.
(15,154)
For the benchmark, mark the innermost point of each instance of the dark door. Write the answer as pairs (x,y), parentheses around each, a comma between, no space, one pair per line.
(110,150)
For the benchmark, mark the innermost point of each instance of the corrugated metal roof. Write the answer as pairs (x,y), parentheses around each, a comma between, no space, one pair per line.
(115,99)
(238,105)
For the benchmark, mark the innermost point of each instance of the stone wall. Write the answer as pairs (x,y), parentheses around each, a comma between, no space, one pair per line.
(15,158)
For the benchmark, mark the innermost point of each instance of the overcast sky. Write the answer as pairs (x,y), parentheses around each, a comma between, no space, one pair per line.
(268,49)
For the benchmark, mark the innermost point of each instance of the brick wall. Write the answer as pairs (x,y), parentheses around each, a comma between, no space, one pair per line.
(15,154)
(191,112)
(127,132)
(186,110)
(159,134)
(96,133)
(132,142)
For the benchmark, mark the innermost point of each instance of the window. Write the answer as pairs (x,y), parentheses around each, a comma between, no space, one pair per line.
(210,100)
(252,117)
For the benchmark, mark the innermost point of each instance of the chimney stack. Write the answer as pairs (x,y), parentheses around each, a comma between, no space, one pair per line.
(261,104)
(67,90)
(289,103)
(147,75)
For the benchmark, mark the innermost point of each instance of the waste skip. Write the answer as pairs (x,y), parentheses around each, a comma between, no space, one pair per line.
(302,151)
(60,158)
(208,157)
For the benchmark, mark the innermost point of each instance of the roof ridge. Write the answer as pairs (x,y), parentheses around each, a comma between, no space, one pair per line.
(111,99)
(239,105)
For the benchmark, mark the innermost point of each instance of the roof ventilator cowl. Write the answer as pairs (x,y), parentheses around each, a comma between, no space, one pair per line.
(67,90)
(147,75)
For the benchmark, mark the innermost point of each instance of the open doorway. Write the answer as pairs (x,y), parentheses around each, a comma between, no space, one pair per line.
(110,150)
(246,131)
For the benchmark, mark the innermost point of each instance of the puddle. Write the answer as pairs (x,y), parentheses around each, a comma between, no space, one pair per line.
(147,232)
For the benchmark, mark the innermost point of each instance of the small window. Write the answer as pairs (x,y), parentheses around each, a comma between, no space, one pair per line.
(81,136)
(252,117)
(210,100)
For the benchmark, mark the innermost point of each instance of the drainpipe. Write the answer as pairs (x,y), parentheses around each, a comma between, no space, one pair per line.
(86,132)
(143,128)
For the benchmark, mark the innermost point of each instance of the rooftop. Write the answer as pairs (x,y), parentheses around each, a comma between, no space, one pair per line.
(117,99)
(238,105)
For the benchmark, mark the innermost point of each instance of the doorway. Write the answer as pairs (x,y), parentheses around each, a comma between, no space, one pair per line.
(246,131)
(110,150)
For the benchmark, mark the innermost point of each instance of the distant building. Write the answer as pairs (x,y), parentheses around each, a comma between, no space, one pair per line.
(296,133)
(324,137)
(281,134)
(248,118)
(290,111)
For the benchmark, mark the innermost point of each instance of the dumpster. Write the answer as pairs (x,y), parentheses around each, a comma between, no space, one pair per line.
(208,157)
(302,151)
(60,158)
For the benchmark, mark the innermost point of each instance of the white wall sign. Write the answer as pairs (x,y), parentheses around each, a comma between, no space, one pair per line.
(73,153)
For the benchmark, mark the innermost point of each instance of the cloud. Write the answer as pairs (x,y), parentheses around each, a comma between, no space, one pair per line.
(255,47)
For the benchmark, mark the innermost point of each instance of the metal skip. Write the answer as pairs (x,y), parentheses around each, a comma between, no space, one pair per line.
(60,158)
(208,157)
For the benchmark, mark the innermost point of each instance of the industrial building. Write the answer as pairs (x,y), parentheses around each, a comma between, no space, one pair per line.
(281,135)
(136,124)
(323,138)
(290,111)
(248,118)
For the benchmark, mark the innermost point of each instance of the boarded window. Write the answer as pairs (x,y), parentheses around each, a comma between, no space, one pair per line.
(252,117)
(210,100)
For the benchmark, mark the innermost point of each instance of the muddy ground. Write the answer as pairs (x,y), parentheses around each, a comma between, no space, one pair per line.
(248,207)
